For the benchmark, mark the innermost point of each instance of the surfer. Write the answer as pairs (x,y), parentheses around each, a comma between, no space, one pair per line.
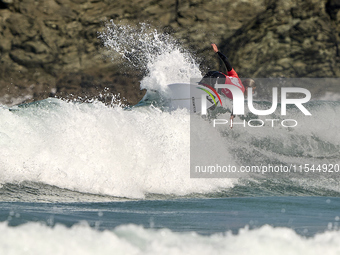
(213,77)
(230,78)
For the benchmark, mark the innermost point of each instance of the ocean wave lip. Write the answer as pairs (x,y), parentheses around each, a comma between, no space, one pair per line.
(93,148)
(158,55)
(143,153)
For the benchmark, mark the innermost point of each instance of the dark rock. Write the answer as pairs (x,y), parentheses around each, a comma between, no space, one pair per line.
(30,59)
(36,47)
(22,26)
(4,4)
(300,39)
(332,8)
(52,47)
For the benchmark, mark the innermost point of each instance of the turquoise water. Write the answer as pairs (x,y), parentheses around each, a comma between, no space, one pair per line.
(258,225)
(307,216)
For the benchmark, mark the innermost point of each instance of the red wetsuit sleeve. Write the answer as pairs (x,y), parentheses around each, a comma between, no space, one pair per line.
(232,73)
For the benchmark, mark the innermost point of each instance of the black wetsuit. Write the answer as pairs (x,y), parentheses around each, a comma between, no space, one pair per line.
(213,77)
(225,61)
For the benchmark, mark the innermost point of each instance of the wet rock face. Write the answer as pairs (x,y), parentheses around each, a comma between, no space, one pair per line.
(332,8)
(42,42)
(295,40)
(288,39)
(52,48)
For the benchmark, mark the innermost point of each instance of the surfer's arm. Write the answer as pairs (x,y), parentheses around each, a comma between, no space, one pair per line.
(222,57)
(225,61)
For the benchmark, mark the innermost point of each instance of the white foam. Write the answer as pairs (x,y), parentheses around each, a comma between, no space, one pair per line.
(314,135)
(103,150)
(98,149)
(157,54)
(35,238)
(330,96)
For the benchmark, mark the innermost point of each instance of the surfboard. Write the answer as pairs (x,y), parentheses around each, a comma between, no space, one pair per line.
(182,96)
(190,96)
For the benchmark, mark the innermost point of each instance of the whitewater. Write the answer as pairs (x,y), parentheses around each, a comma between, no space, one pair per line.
(86,177)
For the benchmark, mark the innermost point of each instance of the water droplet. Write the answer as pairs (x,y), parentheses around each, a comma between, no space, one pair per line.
(330,225)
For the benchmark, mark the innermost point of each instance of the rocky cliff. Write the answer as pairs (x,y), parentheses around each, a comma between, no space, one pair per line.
(52,48)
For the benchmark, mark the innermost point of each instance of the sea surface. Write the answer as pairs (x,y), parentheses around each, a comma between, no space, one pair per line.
(84,177)
(87,178)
